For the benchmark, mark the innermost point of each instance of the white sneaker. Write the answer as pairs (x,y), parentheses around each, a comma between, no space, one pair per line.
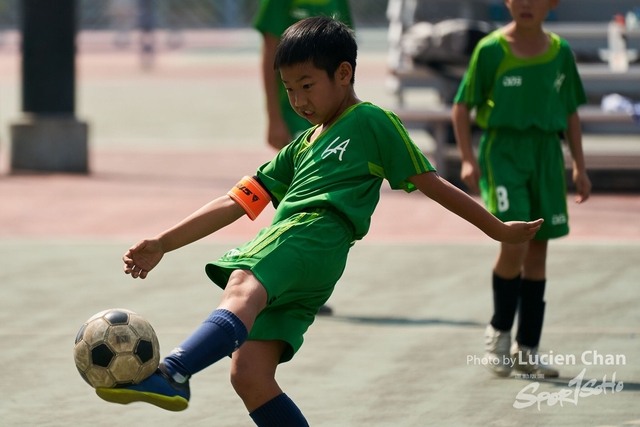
(528,361)
(496,355)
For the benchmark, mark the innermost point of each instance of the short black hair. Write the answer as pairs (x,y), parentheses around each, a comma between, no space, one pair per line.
(321,40)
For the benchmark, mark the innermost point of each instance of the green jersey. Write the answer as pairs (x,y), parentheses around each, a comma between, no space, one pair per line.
(343,168)
(520,93)
(275,16)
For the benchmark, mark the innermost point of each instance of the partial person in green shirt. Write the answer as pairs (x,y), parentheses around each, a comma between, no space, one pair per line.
(272,19)
(325,186)
(525,86)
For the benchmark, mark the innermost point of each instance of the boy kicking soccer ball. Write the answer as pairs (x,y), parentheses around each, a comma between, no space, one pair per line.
(325,186)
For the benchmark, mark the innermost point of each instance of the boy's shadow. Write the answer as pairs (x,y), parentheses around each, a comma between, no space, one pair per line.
(404,321)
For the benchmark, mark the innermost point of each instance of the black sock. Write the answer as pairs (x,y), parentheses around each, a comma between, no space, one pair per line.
(505,302)
(279,412)
(531,313)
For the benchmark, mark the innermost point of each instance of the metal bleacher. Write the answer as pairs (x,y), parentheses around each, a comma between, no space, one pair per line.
(616,171)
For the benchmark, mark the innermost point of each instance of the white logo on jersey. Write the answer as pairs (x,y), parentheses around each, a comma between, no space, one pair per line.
(299,14)
(558,83)
(232,253)
(341,147)
(511,81)
(558,219)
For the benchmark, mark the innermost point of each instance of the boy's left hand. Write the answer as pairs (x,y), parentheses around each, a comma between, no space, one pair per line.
(520,231)
(583,185)
(142,258)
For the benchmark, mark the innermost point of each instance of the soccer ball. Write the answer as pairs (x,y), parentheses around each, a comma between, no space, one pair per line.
(116,347)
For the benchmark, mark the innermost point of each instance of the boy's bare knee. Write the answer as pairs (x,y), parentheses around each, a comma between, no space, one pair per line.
(254,387)
(243,381)
(244,296)
(253,372)
(244,286)
(510,259)
(535,263)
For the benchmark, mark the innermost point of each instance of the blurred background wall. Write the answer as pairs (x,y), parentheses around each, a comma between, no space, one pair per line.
(104,14)
(204,90)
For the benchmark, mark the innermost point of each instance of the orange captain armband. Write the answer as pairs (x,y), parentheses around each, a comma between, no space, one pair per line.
(250,194)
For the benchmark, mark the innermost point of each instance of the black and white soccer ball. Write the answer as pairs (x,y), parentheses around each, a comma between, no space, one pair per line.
(115,348)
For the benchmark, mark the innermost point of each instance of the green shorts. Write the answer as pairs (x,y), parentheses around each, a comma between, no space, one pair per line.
(523,178)
(298,261)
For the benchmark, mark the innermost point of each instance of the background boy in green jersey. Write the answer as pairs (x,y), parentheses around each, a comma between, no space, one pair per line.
(325,186)
(272,19)
(526,88)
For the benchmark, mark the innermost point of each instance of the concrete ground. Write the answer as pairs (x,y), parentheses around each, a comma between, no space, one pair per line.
(401,348)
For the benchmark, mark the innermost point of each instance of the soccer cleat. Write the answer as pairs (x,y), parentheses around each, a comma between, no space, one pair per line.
(160,389)
(528,361)
(496,355)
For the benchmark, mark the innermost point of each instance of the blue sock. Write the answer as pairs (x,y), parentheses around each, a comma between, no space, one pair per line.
(218,336)
(279,412)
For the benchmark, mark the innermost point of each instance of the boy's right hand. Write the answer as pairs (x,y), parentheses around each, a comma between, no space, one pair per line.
(142,258)
(470,175)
